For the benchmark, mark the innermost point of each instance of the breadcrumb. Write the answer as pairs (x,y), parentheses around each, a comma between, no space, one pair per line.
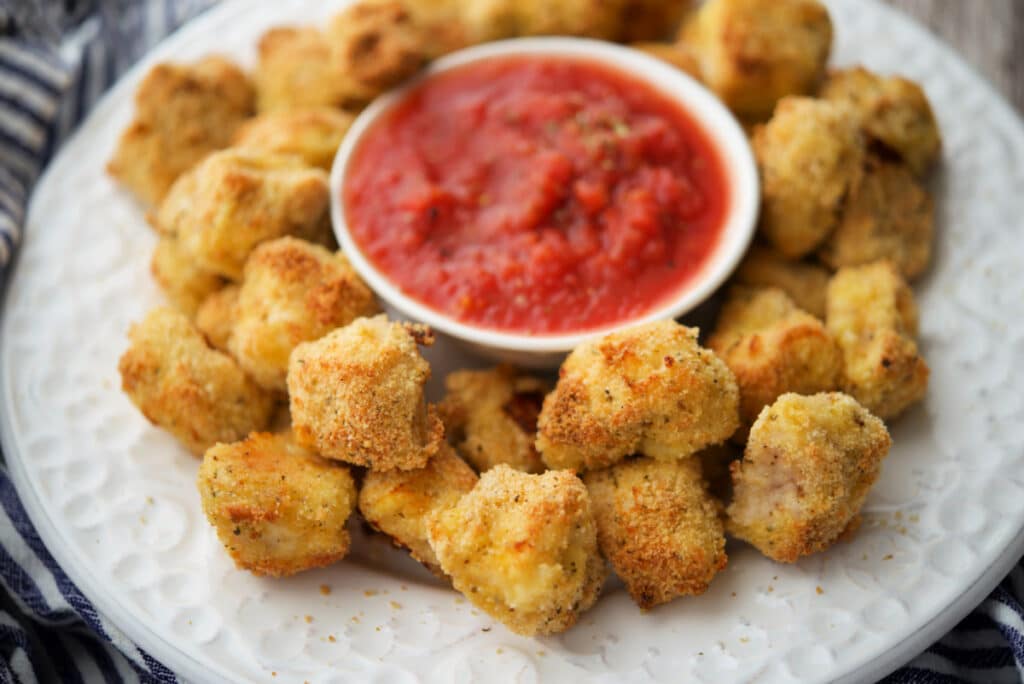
(313,134)
(805,283)
(182,280)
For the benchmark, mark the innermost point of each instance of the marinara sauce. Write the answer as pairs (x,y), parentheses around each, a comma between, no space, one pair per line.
(542,195)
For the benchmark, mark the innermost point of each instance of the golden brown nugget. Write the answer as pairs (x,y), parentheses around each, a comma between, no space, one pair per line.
(217,315)
(491,417)
(893,111)
(807,469)
(755,52)
(805,283)
(647,389)
(810,155)
(357,395)
(523,548)
(652,20)
(658,527)
(196,393)
(487,20)
(293,292)
(676,55)
(887,215)
(312,134)
(182,280)
(772,347)
(873,317)
(182,113)
(297,70)
(278,508)
(399,503)
(235,199)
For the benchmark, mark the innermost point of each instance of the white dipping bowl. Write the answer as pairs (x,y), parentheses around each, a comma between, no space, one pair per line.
(541,350)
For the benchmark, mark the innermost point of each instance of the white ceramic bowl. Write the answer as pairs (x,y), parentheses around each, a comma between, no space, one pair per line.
(539,351)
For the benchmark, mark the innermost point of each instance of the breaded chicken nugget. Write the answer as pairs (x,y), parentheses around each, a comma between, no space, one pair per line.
(491,417)
(217,315)
(674,54)
(278,508)
(293,292)
(235,199)
(194,392)
(658,527)
(887,215)
(772,347)
(648,389)
(523,548)
(182,113)
(487,20)
(805,283)
(755,52)
(893,110)
(357,395)
(312,134)
(807,469)
(873,317)
(810,155)
(296,70)
(399,503)
(647,20)
(184,282)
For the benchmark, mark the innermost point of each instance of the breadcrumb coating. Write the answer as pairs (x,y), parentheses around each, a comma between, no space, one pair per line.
(658,527)
(652,20)
(523,548)
(312,134)
(647,389)
(487,20)
(805,283)
(196,393)
(182,280)
(807,469)
(278,508)
(296,70)
(217,315)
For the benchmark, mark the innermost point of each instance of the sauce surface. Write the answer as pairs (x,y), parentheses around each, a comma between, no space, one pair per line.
(543,195)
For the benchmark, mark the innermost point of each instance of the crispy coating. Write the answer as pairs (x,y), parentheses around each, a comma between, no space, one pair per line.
(873,317)
(184,282)
(217,315)
(400,503)
(755,52)
(805,283)
(807,469)
(772,347)
(182,113)
(357,395)
(648,389)
(523,548)
(235,199)
(887,215)
(487,20)
(810,154)
(652,20)
(893,110)
(312,134)
(293,292)
(278,508)
(658,527)
(673,54)
(296,70)
(196,393)
(491,417)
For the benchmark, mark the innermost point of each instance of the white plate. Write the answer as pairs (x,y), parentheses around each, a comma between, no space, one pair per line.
(115,501)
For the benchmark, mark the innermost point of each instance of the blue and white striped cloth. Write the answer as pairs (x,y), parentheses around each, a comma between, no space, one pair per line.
(56,59)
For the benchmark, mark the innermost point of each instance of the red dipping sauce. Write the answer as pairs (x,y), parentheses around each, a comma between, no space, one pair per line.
(543,195)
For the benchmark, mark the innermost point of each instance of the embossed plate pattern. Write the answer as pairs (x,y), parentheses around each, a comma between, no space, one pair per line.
(115,500)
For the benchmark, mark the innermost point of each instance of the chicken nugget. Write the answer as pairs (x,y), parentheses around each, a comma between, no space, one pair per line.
(312,134)
(887,215)
(293,292)
(399,503)
(184,282)
(182,113)
(296,70)
(357,395)
(676,55)
(772,347)
(491,417)
(755,52)
(873,317)
(658,527)
(893,111)
(196,393)
(217,315)
(278,508)
(487,20)
(805,474)
(647,389)
(810,155)
(235,199)
(805,283)
(652,20)
(523,548)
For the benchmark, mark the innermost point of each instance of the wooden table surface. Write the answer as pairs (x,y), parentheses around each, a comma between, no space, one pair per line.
(988,33)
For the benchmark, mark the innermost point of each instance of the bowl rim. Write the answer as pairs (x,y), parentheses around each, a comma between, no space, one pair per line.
(718,123)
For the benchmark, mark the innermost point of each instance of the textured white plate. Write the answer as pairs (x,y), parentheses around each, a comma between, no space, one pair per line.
(114,498)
